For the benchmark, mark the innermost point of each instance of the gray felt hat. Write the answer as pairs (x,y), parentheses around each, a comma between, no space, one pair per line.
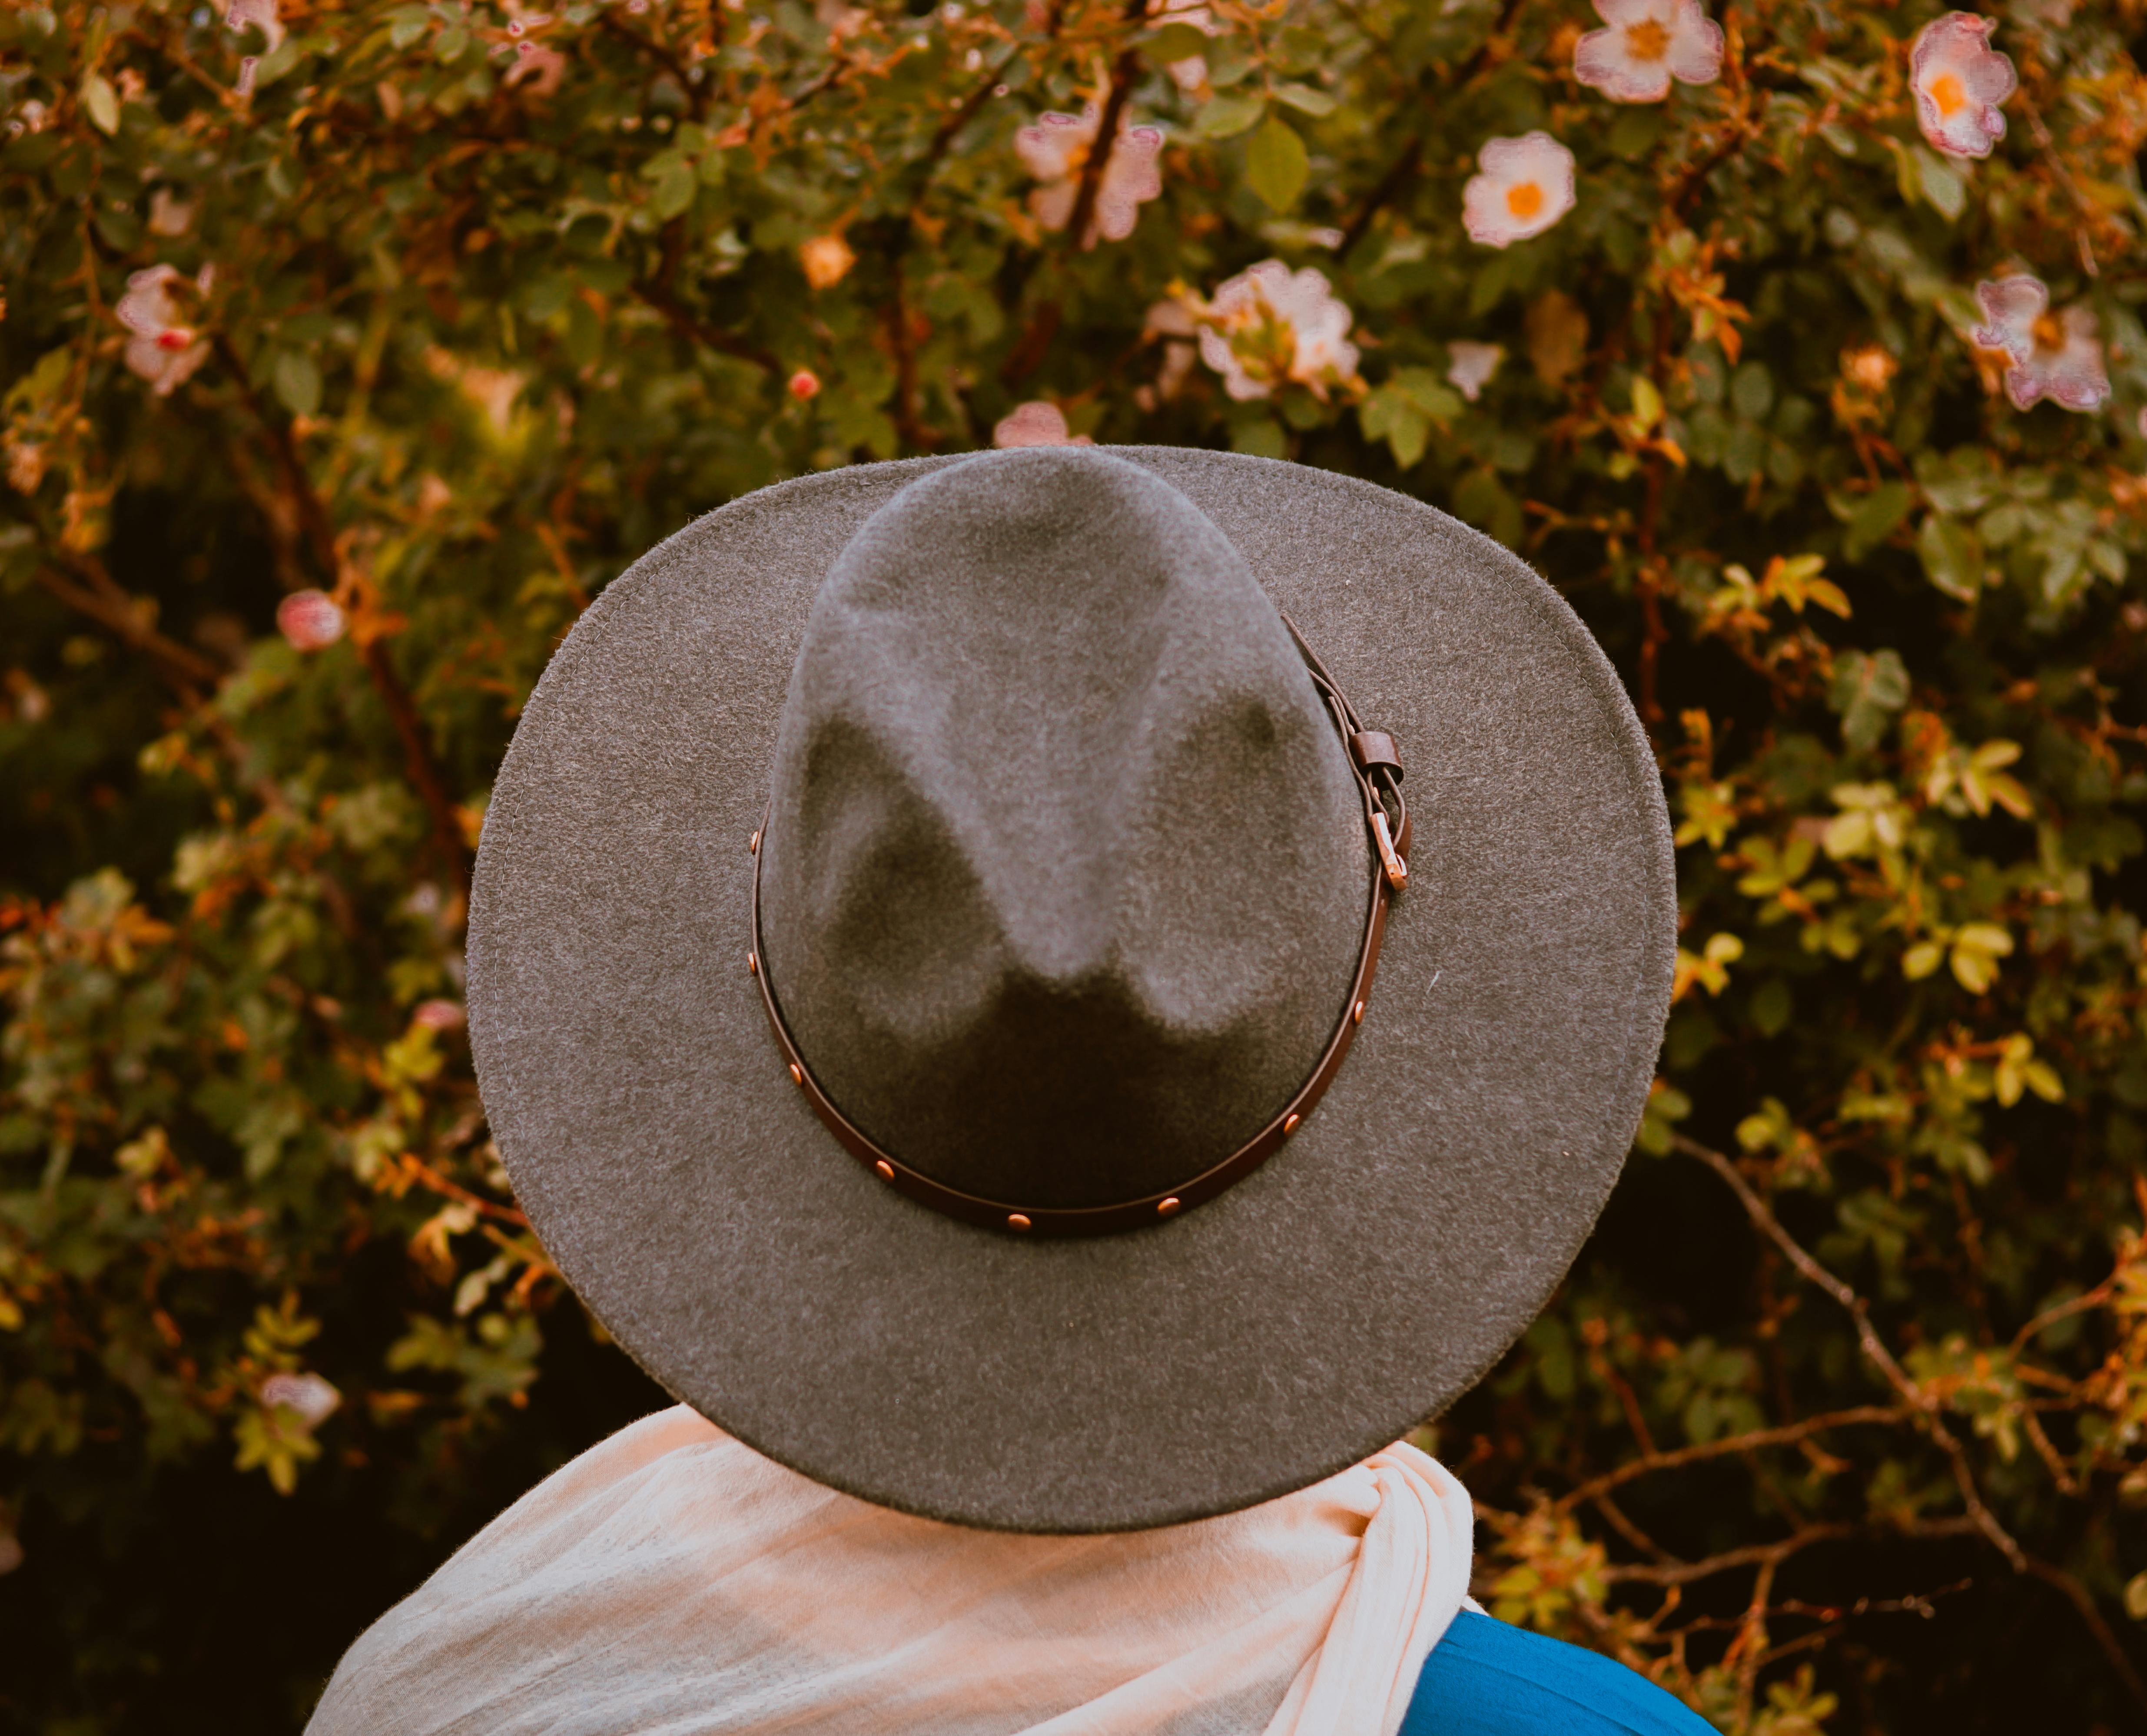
(920,932)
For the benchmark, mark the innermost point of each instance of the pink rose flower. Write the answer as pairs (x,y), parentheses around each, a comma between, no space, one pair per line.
(2057,356)
(1960,81)
(164,351)
(263,12)
(1055,150)
(542,66)
(1037,423)
(1526,186)
(438,1015)
(311,620)
(312,1397)
(1191,73)
(1472,366)
(1649,43)
(1267,327)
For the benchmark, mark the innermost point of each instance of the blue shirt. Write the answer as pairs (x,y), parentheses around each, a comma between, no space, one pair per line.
(1486,1678)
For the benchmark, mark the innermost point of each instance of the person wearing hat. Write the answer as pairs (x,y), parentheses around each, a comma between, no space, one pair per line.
(969,996)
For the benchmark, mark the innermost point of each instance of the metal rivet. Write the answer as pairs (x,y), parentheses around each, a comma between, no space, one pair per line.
(1289,1124)
(1357,1012)
(752,964)
(1015,1220)
(886,1170)
(753,848)
(1165,1207)
(797,1074)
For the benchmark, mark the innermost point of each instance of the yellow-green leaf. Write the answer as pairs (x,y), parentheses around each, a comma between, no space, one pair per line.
(101,103)
(1276,165)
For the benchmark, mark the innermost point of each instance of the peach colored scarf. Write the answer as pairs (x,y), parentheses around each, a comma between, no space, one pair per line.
(672,1582)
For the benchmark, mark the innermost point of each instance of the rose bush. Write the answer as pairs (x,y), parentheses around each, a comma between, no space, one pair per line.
(351,346)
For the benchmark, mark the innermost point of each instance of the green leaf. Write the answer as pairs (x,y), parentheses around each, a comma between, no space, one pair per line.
(1752,390)
(1636,132)
(297,383)
(1262,436)
(101,103)
(1429,393)
(406,25)
(675,181)
(674,192)
(1772,1005)
(1173,44)
(1952,556)
(1942,184)
(1875,521)
(1481,499)
(1389,413)
(1304,98)
(1276,165)
(278,61)
(1227,117)
(2136,1597)
(1867,690)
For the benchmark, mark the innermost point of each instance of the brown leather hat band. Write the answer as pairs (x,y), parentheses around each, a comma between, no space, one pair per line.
(1390,837)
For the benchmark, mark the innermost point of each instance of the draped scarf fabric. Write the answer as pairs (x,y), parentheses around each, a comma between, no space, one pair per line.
(672,1582)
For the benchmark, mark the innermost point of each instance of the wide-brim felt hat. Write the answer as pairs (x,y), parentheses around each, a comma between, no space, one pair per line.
(910,791)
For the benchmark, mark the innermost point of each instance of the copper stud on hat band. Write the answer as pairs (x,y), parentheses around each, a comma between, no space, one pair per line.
(1289,1124)
(884,1170)
(752,964)
(753,847)
(797,1074)
(1016,1220)
(1165,1207)
(1357,1012)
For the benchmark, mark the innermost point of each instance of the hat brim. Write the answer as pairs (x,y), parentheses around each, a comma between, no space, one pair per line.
(1352,1288)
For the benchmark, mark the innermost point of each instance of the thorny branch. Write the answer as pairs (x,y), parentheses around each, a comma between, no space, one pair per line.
(1496,46)
(1917,1404)
(1915,1398)
(311,516)
(1728,1445)
(1124,71)
(88,589)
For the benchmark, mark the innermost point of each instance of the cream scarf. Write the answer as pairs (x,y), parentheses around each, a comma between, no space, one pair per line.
(672,1582)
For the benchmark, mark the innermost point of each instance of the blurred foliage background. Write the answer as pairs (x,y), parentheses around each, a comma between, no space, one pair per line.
(350,348)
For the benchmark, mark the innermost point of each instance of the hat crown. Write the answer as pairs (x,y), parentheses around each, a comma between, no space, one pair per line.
(1064,873)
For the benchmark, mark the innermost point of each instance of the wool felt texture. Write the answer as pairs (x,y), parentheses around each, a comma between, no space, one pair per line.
(671,1580)
(1357,1282)
(1063,886)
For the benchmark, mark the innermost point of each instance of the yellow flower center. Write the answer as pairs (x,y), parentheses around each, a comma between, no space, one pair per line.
(1647,40)
(1524,199)
(2048,333)
(1947,92)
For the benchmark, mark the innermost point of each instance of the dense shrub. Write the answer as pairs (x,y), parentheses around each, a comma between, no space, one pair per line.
(349,348)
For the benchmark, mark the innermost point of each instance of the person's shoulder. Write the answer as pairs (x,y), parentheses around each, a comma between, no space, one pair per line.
(1486,1678)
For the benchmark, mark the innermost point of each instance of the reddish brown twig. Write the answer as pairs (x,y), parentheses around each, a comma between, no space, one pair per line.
(1404,167)
(2082,1601)
(309,514)
(696,96)
(1788,1435)
(89,590)
(1926,1407)
(696,331)
(1123,70)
